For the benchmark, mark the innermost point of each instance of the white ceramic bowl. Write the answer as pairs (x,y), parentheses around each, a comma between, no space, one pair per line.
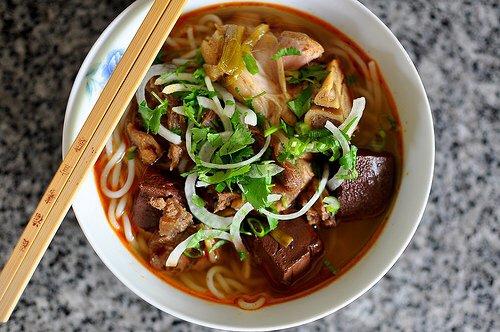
(373,36)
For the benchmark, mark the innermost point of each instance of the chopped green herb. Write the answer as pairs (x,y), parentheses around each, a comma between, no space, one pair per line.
(242,255)
(379,141)
(199,74)
(240,138)
(351,79)
(159,57)
(271,130)
(266,169)
(258,229)
(314,73)
(348,160)
(250,63)
(131,153)
(255,191)
(332,205)
(302,103)
(151,117)
(198,201)
(273,223)
(284,52)
(217,245)
(229,102)
(330,266)
(194,252)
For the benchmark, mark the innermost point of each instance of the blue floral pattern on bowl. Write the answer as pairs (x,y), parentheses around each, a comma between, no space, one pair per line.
(99,74)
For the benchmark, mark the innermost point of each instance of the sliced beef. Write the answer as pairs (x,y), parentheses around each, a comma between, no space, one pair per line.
(224,200)
(287,266)
(149,149)
(370,194)
(317,214)
(175,218)
(153,190)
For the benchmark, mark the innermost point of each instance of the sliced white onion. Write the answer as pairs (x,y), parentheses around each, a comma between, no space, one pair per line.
(247,115)
(172,77)
(208,218)
(180,62)
(358,106)
(178,110)
(174,256)
(338,136)
(180,87)
(224,166)
(169,135)
(210,18)
(229,102)
(189,54)
(307,206)
(154,70)
(210,87)
(211,105)
(271,198)
(335,182)
(201,184)
(234,229)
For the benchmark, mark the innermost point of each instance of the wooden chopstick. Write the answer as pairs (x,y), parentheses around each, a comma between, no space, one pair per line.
(85,150)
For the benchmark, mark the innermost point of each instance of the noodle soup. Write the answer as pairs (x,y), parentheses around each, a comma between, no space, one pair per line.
(259,159)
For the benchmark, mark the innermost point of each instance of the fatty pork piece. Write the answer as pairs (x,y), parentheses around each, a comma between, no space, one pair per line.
(159,205)
(370,194)
(149,149)
(291,181)
(287,266)
(308,47)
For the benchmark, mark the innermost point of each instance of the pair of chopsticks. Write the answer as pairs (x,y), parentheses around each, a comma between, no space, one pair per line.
(85,150)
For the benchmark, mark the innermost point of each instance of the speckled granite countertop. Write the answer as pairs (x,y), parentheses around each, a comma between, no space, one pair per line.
(448,278)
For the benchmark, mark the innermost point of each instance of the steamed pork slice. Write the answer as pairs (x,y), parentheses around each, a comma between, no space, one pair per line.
(153,191)
(370,194)
(317,214)
(287,266)
(308,47)
(291,181)
(149,149)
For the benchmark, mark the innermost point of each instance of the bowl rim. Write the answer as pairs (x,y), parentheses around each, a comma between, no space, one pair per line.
(429,166)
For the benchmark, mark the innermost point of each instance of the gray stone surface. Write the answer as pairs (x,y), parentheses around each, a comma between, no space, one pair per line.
(447,277)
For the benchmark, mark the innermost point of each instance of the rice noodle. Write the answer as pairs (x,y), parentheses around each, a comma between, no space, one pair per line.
(115,175)
(223,166)
(236,285)
(247,269)
(120,207)
(191,284)
(111,214)
(222,282)
(307,206)
(169,135)
(190,36)
(210,18)
(127,228)
(154,70)
(172,42)
(211,284)
(234,229)
(180,62)
(376,84)
(130,176)
(355,56)
(251,305)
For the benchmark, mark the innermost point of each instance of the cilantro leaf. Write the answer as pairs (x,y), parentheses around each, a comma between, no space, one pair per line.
(348,160)
(151,117)
(284,52)
(255,191)
(314,73)
(302,103)
(221,176)
(131,153)
(266,169)
(198,201)
(240,138)
(250,63)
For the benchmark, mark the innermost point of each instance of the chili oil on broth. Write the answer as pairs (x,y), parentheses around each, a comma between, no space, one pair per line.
(344,244)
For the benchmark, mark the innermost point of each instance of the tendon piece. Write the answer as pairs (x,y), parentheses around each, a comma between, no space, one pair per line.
(291,181)
(211,48)
(286,267)
(175,218)
(317,117)
(153,190)
(308,47)
(370,194)
(149,149)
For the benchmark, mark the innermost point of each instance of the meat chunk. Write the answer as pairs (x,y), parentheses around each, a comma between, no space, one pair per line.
(287,266)
(317,214)
(224,200)
(149,149)
(308,47)
(317,116)
(291,181)
(175,218)
(370,194)
(153,191)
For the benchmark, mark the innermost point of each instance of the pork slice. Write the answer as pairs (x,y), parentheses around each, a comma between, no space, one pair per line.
(308,47)
(370,194)
(291,181)
(153,190)
(287,266)
(148,147)
(175,218)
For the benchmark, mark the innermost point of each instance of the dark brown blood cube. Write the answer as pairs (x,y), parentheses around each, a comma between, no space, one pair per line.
(370,194)
(287,266)
(154,188)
